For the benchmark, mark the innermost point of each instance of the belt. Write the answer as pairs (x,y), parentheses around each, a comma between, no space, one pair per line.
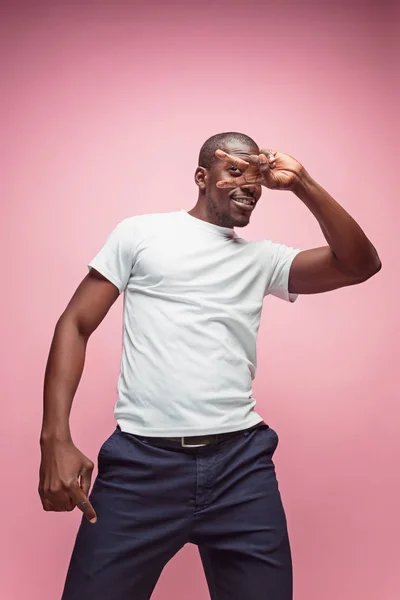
(198,441)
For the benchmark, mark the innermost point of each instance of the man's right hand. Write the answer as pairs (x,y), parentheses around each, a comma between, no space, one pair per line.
(65,478)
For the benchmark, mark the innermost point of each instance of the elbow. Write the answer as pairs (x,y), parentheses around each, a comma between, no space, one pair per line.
(378,265)
(72,325)
(373,268)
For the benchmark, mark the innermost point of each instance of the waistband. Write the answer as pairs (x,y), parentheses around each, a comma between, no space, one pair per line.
(196,441)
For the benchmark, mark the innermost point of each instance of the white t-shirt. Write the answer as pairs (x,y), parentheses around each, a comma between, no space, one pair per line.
(192,306)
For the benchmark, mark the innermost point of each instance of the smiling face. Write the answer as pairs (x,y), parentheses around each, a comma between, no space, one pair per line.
(226,207)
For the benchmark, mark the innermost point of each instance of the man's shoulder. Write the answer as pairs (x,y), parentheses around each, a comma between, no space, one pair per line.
(148,222)
(149,219)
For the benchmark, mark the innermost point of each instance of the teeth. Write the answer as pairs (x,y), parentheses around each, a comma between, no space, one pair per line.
(244,201)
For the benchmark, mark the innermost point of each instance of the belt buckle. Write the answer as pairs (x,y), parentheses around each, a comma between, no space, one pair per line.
(190,445)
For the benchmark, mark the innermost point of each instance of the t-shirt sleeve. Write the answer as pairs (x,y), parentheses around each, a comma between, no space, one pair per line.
(279,259)
(115,259)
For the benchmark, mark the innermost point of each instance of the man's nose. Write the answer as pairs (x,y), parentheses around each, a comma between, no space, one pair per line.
(250,188)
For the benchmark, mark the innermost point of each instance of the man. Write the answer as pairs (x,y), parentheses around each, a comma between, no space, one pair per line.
(190,460)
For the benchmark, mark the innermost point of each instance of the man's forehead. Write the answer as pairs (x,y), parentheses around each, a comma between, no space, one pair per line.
(239,149)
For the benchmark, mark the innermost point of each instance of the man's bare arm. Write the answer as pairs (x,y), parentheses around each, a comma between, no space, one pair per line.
(350,257)
(86,310)
(62,463)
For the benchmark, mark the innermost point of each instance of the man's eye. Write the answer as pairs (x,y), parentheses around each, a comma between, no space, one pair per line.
(235,169)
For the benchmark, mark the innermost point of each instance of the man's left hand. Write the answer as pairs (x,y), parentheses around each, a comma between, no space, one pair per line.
(274,170)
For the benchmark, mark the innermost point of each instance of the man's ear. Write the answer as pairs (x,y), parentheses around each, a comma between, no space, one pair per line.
(200,177)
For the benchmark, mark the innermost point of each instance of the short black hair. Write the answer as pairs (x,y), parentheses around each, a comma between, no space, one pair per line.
(207,152)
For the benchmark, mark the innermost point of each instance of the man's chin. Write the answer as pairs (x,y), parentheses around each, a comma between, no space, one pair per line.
(241,221)
(240,216)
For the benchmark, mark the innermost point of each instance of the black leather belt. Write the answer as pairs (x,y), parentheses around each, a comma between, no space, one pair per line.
(197,441)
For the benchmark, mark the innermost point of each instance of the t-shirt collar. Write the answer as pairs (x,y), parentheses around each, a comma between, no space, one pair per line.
(223,231)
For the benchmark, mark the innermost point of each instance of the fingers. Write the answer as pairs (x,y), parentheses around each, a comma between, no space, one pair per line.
(257,175)
(63,496)
(270,154)
(254,160)
(47,505)
(264,165)
(60,503)
(86,479)
(81,500)
(229,183)
(267,164)
(86,507)
(269,157)
(232,160)
(238,182)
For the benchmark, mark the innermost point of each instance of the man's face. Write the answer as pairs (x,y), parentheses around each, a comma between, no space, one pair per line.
(223,206)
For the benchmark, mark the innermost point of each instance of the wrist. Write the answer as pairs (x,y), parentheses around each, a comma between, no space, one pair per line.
(303,184)
(52,435)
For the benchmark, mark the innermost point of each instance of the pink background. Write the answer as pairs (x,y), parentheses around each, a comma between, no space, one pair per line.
(105,108)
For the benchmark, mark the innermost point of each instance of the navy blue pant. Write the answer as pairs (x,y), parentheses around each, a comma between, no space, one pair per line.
(151,501)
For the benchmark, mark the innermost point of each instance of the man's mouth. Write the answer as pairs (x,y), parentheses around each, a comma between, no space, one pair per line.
(244,201)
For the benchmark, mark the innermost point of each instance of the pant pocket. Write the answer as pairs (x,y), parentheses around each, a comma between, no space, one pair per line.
(271,440)
(107,445)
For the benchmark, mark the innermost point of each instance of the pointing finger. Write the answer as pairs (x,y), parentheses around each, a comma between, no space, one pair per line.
(83,503)
(86,478)
(238,182)
(233,160)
